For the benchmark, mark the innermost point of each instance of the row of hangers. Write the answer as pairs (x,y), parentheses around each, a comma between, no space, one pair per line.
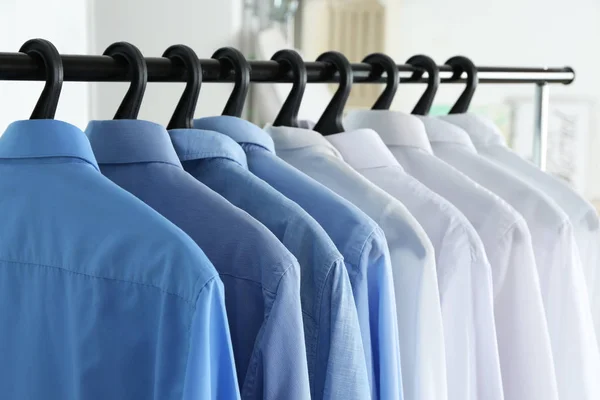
(230,58)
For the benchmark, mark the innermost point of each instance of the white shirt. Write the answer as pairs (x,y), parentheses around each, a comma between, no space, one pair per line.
(464,273)
(414,269)
(521,327)
(490,143)
(570,323)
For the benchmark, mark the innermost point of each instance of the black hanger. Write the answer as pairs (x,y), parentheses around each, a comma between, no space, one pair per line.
(44,52)
(331,120)
(291,60)
(231,58)
(183,117)
(381,63)
(459,65)
(425,64)
(131,56)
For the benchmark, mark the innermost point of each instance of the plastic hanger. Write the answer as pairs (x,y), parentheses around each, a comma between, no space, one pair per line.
(425,64)
(459,65)
(331,120)
(291,60)
(183,117)
(130,55)
(232,58)
(43,51)
(381,63)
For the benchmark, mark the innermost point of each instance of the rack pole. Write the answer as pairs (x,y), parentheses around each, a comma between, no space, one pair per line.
(79,68)
(541,115)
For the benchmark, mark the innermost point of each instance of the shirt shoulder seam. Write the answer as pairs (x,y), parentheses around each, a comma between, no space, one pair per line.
(153,286)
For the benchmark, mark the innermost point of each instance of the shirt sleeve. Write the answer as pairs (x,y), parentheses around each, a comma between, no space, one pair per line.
(278,368)
(418,309)
(574,345)
(211,370)
(473,363)
(340,372)
(521,327)
(383,322)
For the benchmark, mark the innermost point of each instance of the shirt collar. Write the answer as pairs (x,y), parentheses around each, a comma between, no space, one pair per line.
(481,130)
(395,128)
(238,129)
(45,138)
(440,131)
(363,149)
(128,141)
(197,144)
(288,138)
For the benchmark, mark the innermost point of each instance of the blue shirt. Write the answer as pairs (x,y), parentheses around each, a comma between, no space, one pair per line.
(261,278)
(100,297)
(359,239)
(335,354)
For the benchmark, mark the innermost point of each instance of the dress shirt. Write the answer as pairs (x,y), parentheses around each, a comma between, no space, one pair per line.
(358,238)
(521,327)
(261,278)
(101,297)
(463,270)
(570,324)
(331,329)
(490,143)
(412,256)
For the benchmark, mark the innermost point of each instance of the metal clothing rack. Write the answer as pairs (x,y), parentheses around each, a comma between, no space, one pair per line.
(86,68)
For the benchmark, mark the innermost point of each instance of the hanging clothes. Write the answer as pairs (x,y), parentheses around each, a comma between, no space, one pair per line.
(359,239)
(88,309)
(261,277)
(464,272)
(331,328)
(521,325)
(412,255)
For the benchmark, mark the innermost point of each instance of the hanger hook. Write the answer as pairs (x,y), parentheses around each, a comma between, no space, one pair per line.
(231,58)
(381,63)
(183,117)
(43,51)
(331,120)
(290,60)
(130,55)
(425,64)
(459,65)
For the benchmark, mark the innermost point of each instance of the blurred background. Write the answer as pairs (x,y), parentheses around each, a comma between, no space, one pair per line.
(511,32)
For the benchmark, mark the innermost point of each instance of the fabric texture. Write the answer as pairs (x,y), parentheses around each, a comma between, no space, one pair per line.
(412,256)
(490,143)
(261,278)
(463,270)
(570,323)
(522,331)
(356,236)
(89,310)
(335,353)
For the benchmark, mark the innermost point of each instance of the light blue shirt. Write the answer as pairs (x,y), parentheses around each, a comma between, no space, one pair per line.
(261,278)
(100,297)
(357,237)
(335,354)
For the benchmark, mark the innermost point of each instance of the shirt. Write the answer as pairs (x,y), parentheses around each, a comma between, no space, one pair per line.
(331,329)
(490,143)
(356,236)
(521,327)
(261,278)
(574,346)
(463,270)
(100,297)
(412,256)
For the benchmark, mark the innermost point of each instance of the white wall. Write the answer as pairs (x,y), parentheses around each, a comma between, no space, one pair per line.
(508,32)
(64,23)
(153,26)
